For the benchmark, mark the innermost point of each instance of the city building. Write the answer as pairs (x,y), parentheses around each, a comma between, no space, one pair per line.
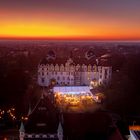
(74,70)
(134,132)
(134,135)
(41,122)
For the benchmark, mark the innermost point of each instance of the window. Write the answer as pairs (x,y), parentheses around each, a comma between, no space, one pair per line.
(56,73)
(42,80)
(105,73)
(58,78)
(63,78)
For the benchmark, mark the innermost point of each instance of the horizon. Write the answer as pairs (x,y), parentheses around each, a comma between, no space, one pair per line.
(66,39)
(62,20)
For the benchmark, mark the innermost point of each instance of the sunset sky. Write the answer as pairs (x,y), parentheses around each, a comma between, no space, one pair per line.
(76,19)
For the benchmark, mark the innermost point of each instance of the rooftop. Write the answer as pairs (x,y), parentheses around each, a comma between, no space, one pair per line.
(86,58)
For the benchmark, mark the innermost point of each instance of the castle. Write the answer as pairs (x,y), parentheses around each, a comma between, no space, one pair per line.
(74,70)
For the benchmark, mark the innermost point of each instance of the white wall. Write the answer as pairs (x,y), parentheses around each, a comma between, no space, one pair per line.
(48,72)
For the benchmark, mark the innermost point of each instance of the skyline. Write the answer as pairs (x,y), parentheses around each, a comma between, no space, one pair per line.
(61,19)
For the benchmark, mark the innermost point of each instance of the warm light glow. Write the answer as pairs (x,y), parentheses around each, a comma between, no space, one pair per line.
(134,127)
(64,31)
(74,102)
(70,19)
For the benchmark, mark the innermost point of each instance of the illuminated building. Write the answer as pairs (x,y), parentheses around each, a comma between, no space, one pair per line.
(134,132)
(74,70)
(74,98)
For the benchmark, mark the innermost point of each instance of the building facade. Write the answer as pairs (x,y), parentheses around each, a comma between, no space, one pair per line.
(74,71)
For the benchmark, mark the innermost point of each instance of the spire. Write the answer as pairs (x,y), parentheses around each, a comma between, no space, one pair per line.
(60,129)
(22,127)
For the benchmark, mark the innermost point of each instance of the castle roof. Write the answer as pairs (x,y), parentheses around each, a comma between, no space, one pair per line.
(43,118)
(80,61)
(86,58)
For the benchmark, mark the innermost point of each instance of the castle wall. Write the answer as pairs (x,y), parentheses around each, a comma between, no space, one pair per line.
(73,75)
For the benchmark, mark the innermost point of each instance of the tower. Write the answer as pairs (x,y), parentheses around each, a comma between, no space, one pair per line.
(21,131)
(60,131)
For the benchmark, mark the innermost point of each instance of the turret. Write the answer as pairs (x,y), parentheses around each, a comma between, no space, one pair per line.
(60,131)
(21,131)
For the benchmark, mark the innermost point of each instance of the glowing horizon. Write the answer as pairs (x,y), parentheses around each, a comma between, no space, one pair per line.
(80,21)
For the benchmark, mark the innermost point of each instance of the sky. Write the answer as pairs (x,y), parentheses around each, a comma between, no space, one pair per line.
(75,19)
